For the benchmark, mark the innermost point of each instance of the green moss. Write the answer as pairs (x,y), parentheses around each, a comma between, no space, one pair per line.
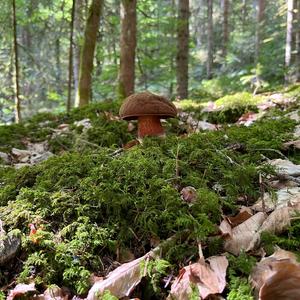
(288,240)
(88,202)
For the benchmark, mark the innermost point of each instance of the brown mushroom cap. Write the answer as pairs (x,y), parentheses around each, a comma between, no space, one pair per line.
(147,104)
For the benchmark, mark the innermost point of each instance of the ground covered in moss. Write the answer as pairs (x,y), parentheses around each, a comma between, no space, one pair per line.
(96,205)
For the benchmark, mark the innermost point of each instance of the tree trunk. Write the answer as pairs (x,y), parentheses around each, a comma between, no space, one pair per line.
(209,65)
(69,100)
(225,28)
(127,47)
(87,55)
(289,33)
(182,58)
(260,17)
(298,42)
(78,29)
(17,88)
(58,67)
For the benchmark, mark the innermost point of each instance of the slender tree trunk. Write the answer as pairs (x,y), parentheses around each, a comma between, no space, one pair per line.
(289,33)
(298,41)
(128,46)
(260,17)
(58,67)
(69,100)
(209,65)
(182,58)
(244,13)
(78,29)
(87,55)
(17,88)
(225,27)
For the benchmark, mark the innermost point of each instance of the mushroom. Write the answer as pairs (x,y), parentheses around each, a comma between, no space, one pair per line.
(148,109)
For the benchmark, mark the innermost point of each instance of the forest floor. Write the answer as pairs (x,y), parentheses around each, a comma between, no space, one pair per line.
(209,212)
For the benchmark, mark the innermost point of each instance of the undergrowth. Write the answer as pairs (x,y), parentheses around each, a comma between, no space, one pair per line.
(89,202)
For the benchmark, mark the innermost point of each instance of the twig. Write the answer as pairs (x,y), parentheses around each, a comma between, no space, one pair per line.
(262,193)
(273,150)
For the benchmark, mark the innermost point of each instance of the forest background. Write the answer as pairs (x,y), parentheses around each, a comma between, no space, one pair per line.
(201,49)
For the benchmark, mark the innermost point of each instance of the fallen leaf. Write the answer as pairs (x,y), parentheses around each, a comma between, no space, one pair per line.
(189,194)
(297,131)
(284,197)
(285,167)
(20,290)
(225,228)
(120,282)
(292,144)
(241,217)
(131,144)
(209,278)
(277,276)
(242,234)
(276,222)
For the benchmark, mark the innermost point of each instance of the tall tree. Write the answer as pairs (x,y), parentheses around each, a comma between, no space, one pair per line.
(69,100)
(78,29)
(289,34)
(87,55)
(260,17)
(225,7)
(127,45)
(182,58)
(16,62)
(297,40)
(209,64)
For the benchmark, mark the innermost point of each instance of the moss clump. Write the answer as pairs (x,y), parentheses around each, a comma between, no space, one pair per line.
(288,240)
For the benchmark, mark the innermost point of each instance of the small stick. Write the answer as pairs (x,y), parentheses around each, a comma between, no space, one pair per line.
(262,193)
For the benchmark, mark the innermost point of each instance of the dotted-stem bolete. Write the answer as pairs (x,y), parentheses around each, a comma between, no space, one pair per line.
(148,109)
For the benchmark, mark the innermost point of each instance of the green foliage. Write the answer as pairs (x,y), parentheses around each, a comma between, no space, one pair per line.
(156,269)
(239,269)
(287,240)
(240,289)
(240,265)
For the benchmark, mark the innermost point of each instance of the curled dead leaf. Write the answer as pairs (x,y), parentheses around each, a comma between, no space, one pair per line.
(277,277)
(242,234)
(209,278)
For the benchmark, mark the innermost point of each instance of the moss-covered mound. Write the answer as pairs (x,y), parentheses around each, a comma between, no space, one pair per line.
(91,205)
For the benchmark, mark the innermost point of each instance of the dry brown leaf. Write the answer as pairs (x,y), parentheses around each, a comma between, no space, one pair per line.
(208,277)
(284,284)
(240,218)
(189,194)
(292,144)
(277,276)
(225,228)
(121,281)
(20,290)
(242,234)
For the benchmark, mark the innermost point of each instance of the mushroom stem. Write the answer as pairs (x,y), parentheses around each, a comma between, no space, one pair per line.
(149,126)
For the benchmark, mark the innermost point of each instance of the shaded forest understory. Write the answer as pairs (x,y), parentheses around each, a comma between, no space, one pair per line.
(84,200)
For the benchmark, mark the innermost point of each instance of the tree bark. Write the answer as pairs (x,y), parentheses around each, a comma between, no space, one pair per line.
(182,57)
(87,55)
(17,87)
(69,99)
(298,42)
(209,65)
(289,33)
(260,17)
(78,29)
(128,46)
(225,27)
